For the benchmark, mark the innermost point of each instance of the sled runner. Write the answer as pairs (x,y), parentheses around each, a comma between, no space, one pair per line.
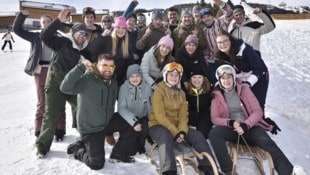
(258,155)
(185,156)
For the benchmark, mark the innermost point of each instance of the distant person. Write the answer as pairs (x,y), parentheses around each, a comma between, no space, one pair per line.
(37,66)
(173,18)
(106,24)
(67,54)
(237,115)
(251,31)
(8,37)
(197,15)
(97,91)
(89,18)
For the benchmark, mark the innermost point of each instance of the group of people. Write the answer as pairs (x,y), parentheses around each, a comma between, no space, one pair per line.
(192,78)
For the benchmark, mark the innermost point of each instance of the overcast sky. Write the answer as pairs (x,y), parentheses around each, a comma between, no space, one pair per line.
(13,5)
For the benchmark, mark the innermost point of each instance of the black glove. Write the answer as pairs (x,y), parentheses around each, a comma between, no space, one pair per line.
(231,123)
(244,127)
(178,135)
(275,128)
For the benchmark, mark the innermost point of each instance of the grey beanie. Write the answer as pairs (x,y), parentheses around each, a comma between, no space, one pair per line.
(134,69)
(78,26)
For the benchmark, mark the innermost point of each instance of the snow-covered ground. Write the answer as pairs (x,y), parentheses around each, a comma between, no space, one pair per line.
(285,50)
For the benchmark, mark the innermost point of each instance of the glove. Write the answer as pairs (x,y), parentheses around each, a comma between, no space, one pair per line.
(275,127)
(244,127)
(179,135)
(231,123)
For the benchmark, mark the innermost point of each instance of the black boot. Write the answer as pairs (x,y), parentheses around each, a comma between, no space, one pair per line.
(74,147)
(170,172)
(206,169)
(121,158)
(59,135)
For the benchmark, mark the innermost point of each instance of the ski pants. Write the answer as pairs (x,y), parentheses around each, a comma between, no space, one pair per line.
(257,136)
(4,44)
(166,145)
(39,79)
(55,102)
(260,89)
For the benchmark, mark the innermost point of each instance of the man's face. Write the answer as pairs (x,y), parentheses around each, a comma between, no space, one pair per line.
(173,16)
(80,37)
(106,68)
(45,22)
(239,17)
(89,19)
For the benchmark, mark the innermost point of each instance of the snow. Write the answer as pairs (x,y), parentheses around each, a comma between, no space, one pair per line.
(285,50)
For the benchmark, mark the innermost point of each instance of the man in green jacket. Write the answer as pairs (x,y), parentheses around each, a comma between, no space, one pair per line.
(96,91)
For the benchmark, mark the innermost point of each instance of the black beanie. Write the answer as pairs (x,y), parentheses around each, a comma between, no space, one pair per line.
(198,70)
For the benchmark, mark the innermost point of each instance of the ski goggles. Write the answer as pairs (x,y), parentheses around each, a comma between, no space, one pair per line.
(81,33)
(225,69)
(105,66)
(174,66)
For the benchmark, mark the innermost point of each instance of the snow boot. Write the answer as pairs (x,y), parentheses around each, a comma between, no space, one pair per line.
(206,169)
(170,172)
(114,158)
(72,148)
(59,135)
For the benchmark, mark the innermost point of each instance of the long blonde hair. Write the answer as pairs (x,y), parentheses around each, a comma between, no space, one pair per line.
(124,45)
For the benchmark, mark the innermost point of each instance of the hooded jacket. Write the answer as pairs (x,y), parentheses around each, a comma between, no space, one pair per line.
(134,101)
(169,109)
(66,53)
(249,104)
(251,31)
(95,98)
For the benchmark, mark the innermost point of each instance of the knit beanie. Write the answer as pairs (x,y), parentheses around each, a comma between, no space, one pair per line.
(225,69)
(78,26)
(131,15)
(238,8)
(134,69)
(88,10)
(186,12)
(167,41)
(191,39)
(120,22)
(157,14)
(198,70)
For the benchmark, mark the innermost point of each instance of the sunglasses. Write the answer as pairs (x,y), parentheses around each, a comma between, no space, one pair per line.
(174,66)
(105,66)
(81,33)
(88,9)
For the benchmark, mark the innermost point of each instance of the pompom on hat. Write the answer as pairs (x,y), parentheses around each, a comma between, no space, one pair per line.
(120,22)
(167,41)
(191,39)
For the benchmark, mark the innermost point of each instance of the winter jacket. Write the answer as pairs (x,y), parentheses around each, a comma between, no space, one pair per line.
(169,109)
(95,98)
(246,60)
(35,41)
(212,30)
(187,31)
(134,101)
(198,103)
(251,31)
(66,53)
(190,61)
(103,44)
(149,67)
(145,42)
(249,104)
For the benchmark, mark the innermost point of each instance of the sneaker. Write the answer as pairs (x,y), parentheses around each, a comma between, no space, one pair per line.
(114,158)
(298,170)
(206,169)
(73,147)
(110,139)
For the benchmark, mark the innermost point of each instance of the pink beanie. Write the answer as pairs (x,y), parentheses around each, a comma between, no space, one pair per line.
(166,40)
(191,39)
(120,22)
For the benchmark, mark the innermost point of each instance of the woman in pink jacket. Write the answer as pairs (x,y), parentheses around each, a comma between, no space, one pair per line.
(236,113)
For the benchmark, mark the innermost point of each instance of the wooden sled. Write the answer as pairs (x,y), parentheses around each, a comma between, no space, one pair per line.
(255,152)
(184,159)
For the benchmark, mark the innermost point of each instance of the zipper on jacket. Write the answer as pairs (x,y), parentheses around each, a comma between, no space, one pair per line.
(101,97)
(136,93)
(197,103)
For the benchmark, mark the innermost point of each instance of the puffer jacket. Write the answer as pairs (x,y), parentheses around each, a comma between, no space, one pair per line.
(251,31)
(95,98)
(134,101)
(249,104)
(169,109)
